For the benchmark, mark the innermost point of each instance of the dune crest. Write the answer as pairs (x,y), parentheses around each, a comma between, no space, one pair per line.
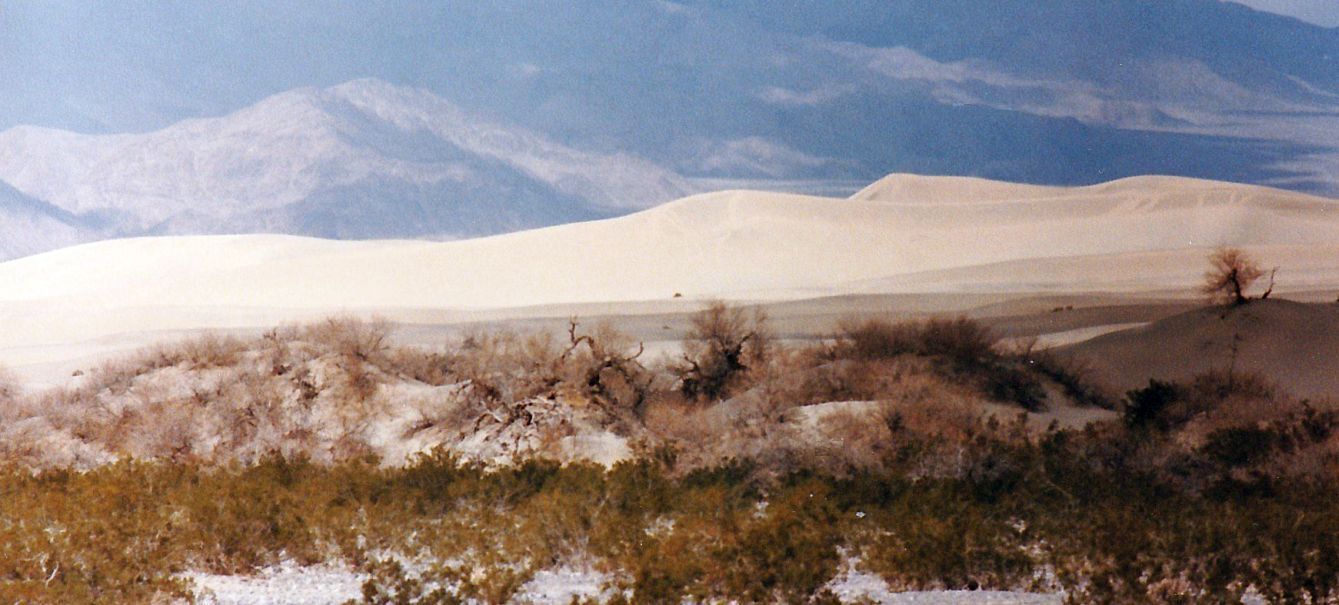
(1133,235)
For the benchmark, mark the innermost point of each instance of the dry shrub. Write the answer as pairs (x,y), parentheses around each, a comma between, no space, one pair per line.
(725,347)
(426,366)
(359,348)
(962,341)
(898,381)
(350,337)
(709,436)
(904,402)
(1231,272)
(855,380)
(207,350)
(1208,388)
(504,366)
(602,367)
(964,350)
(311,390)
(1229,431)
(34,443)
(953,420)
(859,439)
(1171,405)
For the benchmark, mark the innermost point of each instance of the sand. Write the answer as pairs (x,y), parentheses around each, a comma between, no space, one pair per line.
(1295,345)
(904,246)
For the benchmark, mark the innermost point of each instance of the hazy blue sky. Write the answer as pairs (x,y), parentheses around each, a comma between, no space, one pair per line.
(137,64)
(1073,91)
(1320,12)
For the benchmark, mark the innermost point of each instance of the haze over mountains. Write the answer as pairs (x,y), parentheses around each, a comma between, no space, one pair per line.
(601,112)
(835,95)
(360,160)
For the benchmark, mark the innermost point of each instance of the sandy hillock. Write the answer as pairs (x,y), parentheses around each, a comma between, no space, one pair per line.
(1294,345)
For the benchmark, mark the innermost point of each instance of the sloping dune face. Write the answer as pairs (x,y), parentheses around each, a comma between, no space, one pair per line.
(902,233)
(1289,343)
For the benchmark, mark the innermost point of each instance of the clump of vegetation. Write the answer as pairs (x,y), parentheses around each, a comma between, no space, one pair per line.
(1147,406)
(963,349)
(602,367)
(760,475)
(1231,273)
(725,347)
(442,530)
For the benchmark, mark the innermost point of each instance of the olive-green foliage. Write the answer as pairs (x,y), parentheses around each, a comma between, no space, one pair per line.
(439,531)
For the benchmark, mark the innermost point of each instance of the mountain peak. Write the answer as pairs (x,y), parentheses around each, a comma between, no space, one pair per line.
(361,159)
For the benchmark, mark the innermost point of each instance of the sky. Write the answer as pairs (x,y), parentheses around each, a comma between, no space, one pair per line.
(1054,92)
(1320,12)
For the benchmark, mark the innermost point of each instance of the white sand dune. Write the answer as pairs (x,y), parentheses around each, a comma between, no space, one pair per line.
(902,234)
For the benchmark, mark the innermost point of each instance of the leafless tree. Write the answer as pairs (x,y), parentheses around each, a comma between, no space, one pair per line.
(1231,272)
(605,370)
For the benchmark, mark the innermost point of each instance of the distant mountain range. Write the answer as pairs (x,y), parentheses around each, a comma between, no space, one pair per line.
(361,160)
(491,117)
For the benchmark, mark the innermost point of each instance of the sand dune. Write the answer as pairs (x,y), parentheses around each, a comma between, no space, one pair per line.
(736,243)
(1311,268)
(902,234)
(1295,345)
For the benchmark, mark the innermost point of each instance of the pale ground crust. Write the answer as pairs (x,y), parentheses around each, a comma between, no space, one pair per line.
(322,585)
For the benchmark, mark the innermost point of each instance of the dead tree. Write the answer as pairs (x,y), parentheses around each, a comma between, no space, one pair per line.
(1270,289)
(1231,272)
(600,374)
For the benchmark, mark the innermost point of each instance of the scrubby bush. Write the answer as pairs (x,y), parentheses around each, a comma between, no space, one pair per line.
(504,366)
(965,350)
(723,346)
(601,366)
(1144,407)
(966,343)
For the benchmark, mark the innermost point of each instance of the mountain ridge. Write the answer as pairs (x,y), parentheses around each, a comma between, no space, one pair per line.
(1047,93)
(362,159)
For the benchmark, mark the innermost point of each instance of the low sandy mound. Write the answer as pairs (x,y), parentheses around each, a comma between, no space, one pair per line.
(1294,344)
(1175,272)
